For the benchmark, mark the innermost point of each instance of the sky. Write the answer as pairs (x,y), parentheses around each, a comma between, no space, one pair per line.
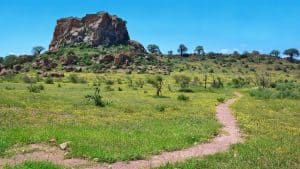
(218,25)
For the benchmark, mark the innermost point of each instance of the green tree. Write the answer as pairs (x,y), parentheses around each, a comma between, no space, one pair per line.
(157,83)
(37,50)
(1,60)
(199,50)
(170,53)
(154,49)
(205,81)
(10,60)
(275,53)
(182,80)
(182,49)
(292,52)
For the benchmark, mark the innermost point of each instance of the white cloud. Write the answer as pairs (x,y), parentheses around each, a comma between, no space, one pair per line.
(228,51)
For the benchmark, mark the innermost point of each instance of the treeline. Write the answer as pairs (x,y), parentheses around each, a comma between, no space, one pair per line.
(199,51)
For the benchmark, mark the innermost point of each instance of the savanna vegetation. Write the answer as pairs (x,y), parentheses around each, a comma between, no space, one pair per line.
(152,104)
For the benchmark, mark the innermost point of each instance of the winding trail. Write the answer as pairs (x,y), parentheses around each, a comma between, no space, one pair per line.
(230,134)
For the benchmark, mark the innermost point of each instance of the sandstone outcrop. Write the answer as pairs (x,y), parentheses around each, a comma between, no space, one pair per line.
(93,29)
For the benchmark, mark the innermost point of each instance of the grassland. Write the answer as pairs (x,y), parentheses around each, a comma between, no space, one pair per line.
(34,165)
(134,125)
(272,133)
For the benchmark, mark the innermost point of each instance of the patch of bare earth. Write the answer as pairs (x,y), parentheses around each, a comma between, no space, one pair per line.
(229,135)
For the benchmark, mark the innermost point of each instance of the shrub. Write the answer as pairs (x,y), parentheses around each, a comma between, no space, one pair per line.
(183,98)
(129,82)
(35,88)
(261,93)
(108,88)
(239,82)
(221,99)
(263,80)
(59,85)
(182,80)
(217,83)
(49,80)
(73,78)
(97,98)
(119,81)
(160,108)
(27,79)
(120,89)
(156,82)
(140,83)
(9,88)
(109,82)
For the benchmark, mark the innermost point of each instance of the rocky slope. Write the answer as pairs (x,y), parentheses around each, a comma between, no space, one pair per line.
(100,29)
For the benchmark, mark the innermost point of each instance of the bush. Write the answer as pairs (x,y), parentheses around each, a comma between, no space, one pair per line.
(97,98)
(129,82)
(108,88)
(49,80)
(73,78)
(160,108)
(35,88)
(27,79)
(239,82)
(109,82)
(217,83)
(182,80)
(140,83)
(261,93)
(183,98)
(119,81)
(221,99)
(156,82)
(9,88)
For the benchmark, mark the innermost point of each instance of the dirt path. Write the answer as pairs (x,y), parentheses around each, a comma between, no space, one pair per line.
(229,135)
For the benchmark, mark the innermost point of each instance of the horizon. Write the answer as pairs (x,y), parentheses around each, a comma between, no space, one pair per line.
(221,27)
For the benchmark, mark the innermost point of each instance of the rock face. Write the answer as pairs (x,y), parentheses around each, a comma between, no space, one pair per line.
(93,29)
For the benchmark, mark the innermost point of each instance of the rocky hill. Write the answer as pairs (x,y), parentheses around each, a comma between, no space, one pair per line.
(100,29)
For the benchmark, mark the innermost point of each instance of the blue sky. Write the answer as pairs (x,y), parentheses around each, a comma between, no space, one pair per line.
(218,25)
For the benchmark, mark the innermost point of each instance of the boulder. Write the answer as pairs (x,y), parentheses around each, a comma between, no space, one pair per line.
(5,72)
(17,68)
(93,29)
(57,74)
(121,59)
(65,145)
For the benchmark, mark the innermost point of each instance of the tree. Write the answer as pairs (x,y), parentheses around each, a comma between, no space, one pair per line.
(292,52)
(170,53)
(275,53)
(205,81)
(182,80)
(182,49)
(154,49)
(1,60)
(199,50)
(10,60)
(37,50)
(156,82)
(255,53)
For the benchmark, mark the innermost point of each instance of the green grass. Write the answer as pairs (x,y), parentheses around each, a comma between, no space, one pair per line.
(130,127)
(272,134)
(34,165)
